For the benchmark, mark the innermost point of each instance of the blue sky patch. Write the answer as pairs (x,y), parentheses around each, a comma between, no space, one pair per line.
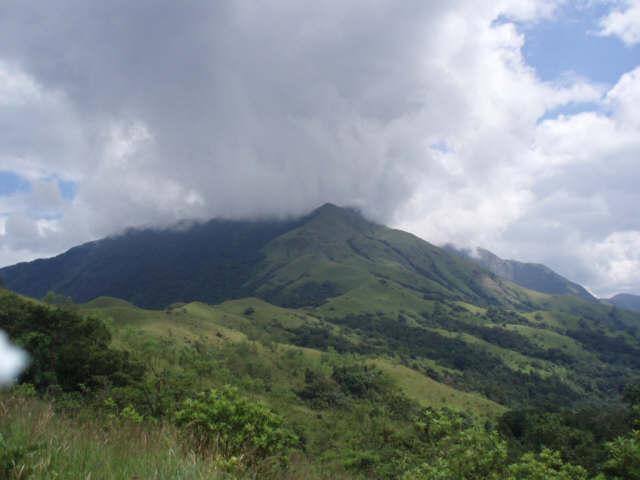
(570,109)
(441,146)
(569,43)
(68,189)
(11,182)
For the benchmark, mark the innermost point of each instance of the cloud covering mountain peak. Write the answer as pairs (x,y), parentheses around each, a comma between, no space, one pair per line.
(424,114)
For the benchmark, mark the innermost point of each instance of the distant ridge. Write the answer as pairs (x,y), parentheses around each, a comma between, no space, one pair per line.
(625,300)
(533,276)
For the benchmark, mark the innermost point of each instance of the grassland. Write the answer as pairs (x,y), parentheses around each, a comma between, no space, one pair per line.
(260,324)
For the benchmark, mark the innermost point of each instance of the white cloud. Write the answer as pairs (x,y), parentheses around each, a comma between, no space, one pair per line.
(624,99)
(617,261)
(245,109)
(623,23)
(531,10)
(12,361)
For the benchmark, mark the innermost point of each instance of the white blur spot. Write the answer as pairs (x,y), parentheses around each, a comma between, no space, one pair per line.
(12,361)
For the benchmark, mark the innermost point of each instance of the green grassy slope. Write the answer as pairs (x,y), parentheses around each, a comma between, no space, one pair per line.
(431,352)
(256,346)
(267,327)
(513,357)
(336,250)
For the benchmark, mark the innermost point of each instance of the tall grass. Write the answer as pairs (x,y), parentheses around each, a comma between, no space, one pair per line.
(39,443)
(43,444)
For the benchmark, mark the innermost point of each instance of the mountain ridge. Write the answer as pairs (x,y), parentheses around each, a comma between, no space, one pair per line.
(534,276)
(626,301)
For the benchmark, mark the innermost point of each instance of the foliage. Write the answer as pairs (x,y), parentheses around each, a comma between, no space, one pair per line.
(321,391)
(53,298)
(228,424)
(361,380)
(548,465)
(624,457)
(479,369)
(322,338)
(577,435)
(67,351)
(459,449)
(42,443)
(346,395)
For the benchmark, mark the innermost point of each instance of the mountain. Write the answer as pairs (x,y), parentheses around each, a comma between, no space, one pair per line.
(295,263)
(533,276)
(626,301)
(346,326)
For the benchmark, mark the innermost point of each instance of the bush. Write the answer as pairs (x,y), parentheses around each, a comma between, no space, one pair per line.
(548,465)
(361,381)
(224,423)
(470,454)
(320,391)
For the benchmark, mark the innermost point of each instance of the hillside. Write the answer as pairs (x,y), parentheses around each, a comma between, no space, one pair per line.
(349,376)
(533,276)
(208,261)
(249,344)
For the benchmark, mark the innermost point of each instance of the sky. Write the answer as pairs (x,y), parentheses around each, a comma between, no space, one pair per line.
(508,124)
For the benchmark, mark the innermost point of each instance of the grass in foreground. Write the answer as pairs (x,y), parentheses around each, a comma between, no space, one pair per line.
(40,443)
(43,444)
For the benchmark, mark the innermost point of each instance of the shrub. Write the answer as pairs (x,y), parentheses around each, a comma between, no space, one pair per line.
(361,381)
(224,423)
(320,391)
(548,465)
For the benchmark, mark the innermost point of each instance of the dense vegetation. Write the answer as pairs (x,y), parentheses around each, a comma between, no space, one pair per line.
(208,402)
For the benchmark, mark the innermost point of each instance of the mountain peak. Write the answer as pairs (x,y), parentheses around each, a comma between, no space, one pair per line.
(332,218)
(333,209)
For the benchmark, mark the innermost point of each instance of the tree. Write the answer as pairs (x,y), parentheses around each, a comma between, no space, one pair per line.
(66,350)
